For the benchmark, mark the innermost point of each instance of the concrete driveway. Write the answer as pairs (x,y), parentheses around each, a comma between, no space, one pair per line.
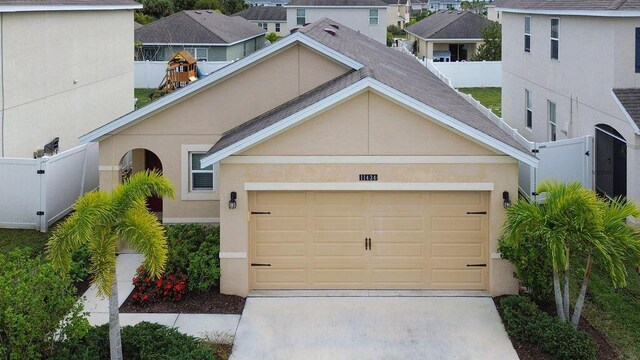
(371,328)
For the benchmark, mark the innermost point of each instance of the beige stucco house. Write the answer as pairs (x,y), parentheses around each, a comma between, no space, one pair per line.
(272,19)
(555,87)
(368,17)
(66,67)
(398,12)
(447,35)
(339,176)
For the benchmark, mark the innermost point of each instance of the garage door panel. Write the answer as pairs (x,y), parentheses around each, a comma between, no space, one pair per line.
(275,198)
(418,240)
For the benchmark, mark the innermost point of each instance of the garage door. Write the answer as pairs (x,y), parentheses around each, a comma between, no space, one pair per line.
(368,240)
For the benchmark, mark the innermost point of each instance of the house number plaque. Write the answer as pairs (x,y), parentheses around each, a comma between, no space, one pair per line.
(368,177)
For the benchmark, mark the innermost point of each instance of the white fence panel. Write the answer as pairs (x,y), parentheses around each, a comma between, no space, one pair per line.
(469,73)
(35,193)
(149,74)
(19,193)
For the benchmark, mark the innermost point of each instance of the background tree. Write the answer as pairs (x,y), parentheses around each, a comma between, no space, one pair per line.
(157,8)
(230,7)
(179,5)
(142,18)
(491,48)
(100,219)
(272,37)
(573,221)
(208,5)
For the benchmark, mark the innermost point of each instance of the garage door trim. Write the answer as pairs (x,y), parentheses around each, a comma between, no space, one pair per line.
(367,186)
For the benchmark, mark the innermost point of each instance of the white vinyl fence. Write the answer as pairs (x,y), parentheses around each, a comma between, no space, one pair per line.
(149,74)
(36,193)
(469,73)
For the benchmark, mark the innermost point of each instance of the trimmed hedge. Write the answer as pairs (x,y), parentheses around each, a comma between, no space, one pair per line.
(525,322)
(144,341)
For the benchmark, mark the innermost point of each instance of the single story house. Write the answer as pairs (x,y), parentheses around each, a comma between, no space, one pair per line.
(354,169)
(368,17)
(272,19)
(448,35)
(208,35)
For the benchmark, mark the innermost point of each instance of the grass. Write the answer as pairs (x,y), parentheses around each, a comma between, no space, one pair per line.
(616,312)
(11,239)
(143,96)
(490,97)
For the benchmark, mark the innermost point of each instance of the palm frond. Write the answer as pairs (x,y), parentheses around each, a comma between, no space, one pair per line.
(103,260)
(141,186)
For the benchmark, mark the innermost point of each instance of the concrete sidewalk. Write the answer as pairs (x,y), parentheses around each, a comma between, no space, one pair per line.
(221,326)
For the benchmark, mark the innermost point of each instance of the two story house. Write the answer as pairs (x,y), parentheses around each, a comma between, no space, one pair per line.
(398,12)
(272,19)
(65,68)
(572,69)
(368,17)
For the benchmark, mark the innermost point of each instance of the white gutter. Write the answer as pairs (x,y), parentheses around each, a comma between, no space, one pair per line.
(601,13)
(32,8)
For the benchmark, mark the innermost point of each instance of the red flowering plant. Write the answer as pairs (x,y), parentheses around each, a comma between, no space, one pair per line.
(169,287)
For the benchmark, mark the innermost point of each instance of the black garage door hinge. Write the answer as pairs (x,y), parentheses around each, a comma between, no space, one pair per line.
(40,172)
(39,213)
(261,213)
(256,264)
(476,213)
(476,265)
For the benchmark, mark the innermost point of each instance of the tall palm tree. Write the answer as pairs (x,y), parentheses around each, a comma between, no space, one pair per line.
(99,220)
(573,219)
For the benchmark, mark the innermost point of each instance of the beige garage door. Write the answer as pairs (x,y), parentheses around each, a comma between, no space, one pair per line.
(320,240)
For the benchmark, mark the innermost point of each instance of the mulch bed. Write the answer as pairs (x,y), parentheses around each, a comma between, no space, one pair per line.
(529,351)
(210,302)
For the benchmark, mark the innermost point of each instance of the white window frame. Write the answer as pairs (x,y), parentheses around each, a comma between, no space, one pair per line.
(552,39)
(277,27)
(263,25)
(374,20)
(187,193)
(553,120)
(303,16)
(527,34)
(196,51)
(528,109)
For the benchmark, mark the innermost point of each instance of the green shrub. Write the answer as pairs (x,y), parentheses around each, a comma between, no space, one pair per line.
(525,322)
(532,260)
(144,341)
(395,30)
(80,265)
(194,250)
(37,305)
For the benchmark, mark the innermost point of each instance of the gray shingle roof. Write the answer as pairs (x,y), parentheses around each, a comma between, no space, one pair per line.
(630,100)
(335,3)
(198,27)
(569,4)
(450,24)
(67,2)
(264,13)
(381,63)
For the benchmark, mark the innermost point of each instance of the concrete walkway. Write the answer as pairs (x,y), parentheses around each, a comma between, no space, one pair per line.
(371,328)
(221,327)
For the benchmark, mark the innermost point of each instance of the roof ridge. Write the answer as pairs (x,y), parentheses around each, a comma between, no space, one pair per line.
(463,14)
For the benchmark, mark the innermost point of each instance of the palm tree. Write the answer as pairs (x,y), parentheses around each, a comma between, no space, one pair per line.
(99,220)
(573,219)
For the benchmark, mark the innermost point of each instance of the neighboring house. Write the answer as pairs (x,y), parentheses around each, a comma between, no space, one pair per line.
(266,2)
(398,12)
(492,13)
(352,168)
(208,35)
(556,87)
(418,6)
(368,17)
(137,25)
(65,68)
(437,5)
(447,35)
(269,18)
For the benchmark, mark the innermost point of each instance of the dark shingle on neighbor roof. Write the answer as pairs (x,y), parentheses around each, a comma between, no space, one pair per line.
(448,24)
(67,2)
(336,3)
(569,4)
(264,13)
(198,27)
(137,25)
(630,100)
(381,63)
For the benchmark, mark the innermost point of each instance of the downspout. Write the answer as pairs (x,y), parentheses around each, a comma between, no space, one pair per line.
(2,82)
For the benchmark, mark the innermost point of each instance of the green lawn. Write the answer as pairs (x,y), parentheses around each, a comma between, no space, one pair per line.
(143,96)
(490,97)
(616,312)
(11,239)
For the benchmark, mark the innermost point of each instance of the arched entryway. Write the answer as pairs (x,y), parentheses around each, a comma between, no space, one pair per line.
(138,160)
(611,162)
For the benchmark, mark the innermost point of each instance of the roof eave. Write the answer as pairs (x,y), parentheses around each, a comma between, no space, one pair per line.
(33,8)
(634,126)
(350,91)
(571,12)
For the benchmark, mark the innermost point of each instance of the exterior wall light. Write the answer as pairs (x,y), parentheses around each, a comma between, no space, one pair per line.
(505,198)
(232,201)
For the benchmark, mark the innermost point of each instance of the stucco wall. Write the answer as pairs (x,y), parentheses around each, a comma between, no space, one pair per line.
(595,55)
(375,127)
(202,118)
(354,18)
(271,26)
(65,73)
